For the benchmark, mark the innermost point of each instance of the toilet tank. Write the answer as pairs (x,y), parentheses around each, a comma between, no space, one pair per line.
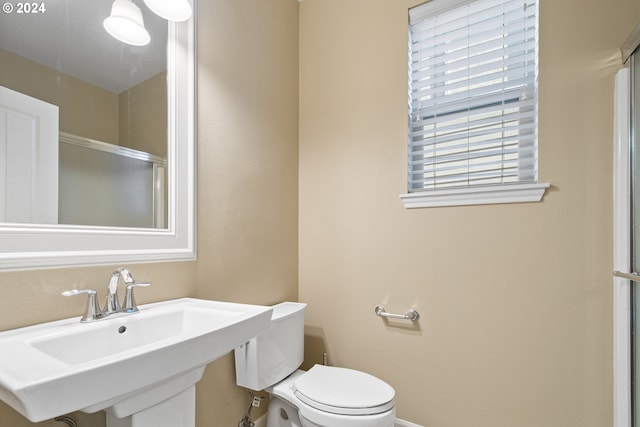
(274,354)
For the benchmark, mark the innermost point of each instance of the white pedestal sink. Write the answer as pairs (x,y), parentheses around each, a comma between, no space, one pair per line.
(177,411)
(140,368)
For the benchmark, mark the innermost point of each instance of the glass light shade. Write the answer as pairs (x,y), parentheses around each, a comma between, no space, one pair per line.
(172,10)
(125,23)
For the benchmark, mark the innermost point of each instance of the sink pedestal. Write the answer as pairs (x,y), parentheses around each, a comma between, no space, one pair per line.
(177,411)
(170,404)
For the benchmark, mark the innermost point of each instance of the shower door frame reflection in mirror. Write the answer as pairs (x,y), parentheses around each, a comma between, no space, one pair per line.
(24,246)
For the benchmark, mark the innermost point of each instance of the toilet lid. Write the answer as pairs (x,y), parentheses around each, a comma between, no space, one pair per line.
(344,391)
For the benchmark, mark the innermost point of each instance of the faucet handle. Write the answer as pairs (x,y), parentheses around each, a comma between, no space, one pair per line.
(129,300)
(126,276)
(92,310)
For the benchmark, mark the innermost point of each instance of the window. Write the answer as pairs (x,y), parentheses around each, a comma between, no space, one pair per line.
(472,103)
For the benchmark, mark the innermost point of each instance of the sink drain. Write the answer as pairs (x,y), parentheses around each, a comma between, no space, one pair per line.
(122,329)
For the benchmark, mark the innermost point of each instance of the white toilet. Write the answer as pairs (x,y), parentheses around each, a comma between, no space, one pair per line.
(323,396)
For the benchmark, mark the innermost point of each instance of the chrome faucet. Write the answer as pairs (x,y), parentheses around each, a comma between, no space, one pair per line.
(112,304)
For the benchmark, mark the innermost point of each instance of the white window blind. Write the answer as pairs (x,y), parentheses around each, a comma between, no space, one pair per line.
(472,93)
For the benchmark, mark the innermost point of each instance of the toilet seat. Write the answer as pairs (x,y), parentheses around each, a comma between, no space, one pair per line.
(343,391)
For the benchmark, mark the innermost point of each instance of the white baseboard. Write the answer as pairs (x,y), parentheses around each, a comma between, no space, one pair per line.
(403,423)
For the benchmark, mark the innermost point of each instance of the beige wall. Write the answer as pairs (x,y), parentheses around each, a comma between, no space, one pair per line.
(143,116)
(248,169)
(85,110)
(136,118)
(515,299)
(247,196)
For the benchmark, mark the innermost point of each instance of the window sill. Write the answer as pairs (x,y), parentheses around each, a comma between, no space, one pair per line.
(486,195)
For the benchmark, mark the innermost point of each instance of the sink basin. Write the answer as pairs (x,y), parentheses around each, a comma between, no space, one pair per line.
(121,364)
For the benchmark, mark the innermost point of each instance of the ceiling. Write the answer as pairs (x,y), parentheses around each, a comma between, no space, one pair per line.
(69,37)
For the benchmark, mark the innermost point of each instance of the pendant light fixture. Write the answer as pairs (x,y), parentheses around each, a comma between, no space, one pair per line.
(125,23)
(171,10)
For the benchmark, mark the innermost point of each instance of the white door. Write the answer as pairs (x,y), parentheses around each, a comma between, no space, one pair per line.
(28,159)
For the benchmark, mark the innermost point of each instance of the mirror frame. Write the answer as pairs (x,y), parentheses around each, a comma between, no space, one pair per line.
(26,246)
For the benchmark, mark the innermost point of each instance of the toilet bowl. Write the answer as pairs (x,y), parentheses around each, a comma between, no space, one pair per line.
(323,396)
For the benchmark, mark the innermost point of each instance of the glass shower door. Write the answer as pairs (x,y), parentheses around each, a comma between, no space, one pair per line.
(635,237)
(626,254)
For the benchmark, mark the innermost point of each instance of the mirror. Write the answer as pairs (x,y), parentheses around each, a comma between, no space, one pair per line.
(153,128)
(108,101)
